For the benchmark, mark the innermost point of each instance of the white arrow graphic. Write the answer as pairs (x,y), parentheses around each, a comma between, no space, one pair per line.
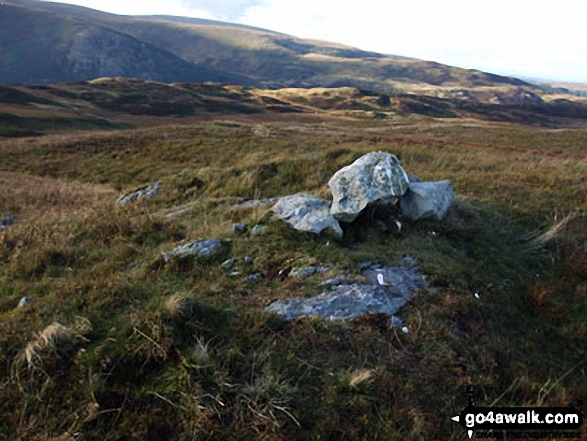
(456,418)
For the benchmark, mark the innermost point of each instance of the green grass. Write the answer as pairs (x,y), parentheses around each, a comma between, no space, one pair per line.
(183,351)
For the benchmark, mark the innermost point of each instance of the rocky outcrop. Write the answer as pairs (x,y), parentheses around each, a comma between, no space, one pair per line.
(307,213)
(426,200)
(145,192)
(374,176)
(358,299)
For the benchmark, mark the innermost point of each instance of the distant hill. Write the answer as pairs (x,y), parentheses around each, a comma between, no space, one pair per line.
(43,42)
(119,103)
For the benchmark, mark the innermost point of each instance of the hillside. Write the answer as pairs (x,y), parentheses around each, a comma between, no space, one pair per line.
(117,103)
(45,42)
(111,342)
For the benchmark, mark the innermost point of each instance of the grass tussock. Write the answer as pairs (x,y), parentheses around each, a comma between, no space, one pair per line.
(49,348)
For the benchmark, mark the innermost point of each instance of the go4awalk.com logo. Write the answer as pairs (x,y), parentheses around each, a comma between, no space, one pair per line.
(521,422)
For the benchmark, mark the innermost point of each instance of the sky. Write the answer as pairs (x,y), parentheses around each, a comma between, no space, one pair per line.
(538,39)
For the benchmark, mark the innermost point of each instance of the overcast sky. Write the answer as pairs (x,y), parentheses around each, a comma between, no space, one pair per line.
(530,38)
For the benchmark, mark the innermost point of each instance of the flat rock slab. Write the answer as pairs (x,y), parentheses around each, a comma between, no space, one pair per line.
(198,248)
(358,299)
(306,213)
(427,200)
(374,176)
(146,192)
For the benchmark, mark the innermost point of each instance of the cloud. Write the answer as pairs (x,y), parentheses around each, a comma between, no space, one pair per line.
(225,9)
(496,35)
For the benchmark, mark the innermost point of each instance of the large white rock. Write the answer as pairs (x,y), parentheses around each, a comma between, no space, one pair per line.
(306,213)
(375,176)
(427,200)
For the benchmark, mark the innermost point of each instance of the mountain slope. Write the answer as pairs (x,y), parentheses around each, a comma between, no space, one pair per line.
(56,42)
(41,47)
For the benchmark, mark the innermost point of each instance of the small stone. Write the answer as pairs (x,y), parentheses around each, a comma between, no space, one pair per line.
(305,271)
(7,220)
(228,263)
(253,278)
(198,248)
(405,329)
(259,229)
(233,273)
(249,259)
(24,301)
(240,228)
(145,192)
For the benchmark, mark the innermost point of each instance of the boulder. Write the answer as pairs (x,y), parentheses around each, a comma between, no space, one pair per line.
(198,248)
(357,299)
(427,200)
(307,213)
(374,176)
(146,192)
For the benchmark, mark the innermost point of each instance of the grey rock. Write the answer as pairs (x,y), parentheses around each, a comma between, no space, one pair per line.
(305,271)
(7,220)
(145,192)
(253,278)
(258,230)
(198,248)
(402,279)
(413,178)
(375,176)
(427,200)
(228,263)
(351,301)
(24,301)
(307,213)
(233,273)
(239,228)
(249,260)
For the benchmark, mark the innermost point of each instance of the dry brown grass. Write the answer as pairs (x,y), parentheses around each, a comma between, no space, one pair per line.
(35,197)
(55,343)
